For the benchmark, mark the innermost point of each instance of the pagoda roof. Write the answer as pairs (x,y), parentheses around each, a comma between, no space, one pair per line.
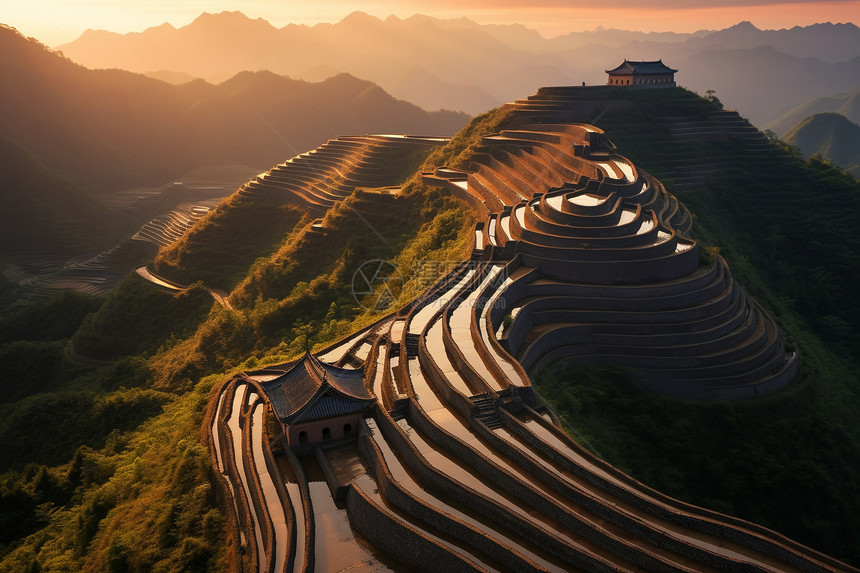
(313,390)
(641,68)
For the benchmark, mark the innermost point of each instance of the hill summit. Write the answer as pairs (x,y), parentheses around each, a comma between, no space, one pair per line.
(830,135)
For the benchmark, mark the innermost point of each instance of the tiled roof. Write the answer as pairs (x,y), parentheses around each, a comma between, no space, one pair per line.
(310,382)
(327,406)
(638,68)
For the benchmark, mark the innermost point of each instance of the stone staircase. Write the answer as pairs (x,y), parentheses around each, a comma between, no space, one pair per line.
(484,410)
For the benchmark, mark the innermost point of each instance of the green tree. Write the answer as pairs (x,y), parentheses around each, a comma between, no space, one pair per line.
(711,96)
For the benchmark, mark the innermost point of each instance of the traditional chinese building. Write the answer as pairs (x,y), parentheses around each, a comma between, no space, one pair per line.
(317,402)
(642,74)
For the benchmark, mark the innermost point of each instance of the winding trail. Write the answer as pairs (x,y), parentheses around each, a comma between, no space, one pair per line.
(220,296)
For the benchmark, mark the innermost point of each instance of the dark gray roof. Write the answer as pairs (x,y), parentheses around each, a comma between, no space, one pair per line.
(326,406)
(641,68)
(312,390)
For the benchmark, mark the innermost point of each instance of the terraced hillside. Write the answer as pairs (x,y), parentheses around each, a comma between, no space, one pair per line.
(581,258)
(173,208)
(685,132)
(333,171)
(266,208)
(606,271)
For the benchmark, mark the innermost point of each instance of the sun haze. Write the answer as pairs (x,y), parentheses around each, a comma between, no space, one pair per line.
(58,21)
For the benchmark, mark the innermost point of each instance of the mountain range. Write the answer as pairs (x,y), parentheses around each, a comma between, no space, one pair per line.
(458,64)
(70,136)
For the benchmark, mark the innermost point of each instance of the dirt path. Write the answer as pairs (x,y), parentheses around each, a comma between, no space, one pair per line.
(220,296)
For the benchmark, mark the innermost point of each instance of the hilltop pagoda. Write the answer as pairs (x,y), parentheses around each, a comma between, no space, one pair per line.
(653,74)
(316,402)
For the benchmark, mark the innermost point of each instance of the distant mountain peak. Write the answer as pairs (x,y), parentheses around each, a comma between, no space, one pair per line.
(345,78)
(824,120)
(359,17)
(228,20)
(831,135)
(744,25)
(93,33)
(165,27)
(829,25)
(234,15)
(830,116)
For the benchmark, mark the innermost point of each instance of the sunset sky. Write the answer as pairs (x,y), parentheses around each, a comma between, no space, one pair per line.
(57,21)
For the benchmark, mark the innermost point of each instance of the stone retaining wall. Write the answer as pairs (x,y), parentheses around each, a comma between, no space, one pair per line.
(610,272)
(414,550)
(223,488)
(655,536)
(474,380)
(502,479)
(493,302)
(286,504)
(337,489)
(664,507)
(264,518)
(307,508)
(435,377)
(243,504)
(456,528)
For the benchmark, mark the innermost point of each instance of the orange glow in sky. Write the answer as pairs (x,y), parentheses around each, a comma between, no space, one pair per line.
(57,21)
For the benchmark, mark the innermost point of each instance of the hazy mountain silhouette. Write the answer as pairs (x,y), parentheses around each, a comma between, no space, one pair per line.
(418,85)
(111,126)
(764,83)
(43,208)
(169,77)
(830,135)
(71,134)
(847,104)
(458,64)
(467,60)
(827,42)
(614,38)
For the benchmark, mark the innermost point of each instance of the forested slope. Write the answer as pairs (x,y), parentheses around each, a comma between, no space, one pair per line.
(831,136)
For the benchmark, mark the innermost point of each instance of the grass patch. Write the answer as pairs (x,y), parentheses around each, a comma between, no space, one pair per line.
(220,248)
(138,317)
